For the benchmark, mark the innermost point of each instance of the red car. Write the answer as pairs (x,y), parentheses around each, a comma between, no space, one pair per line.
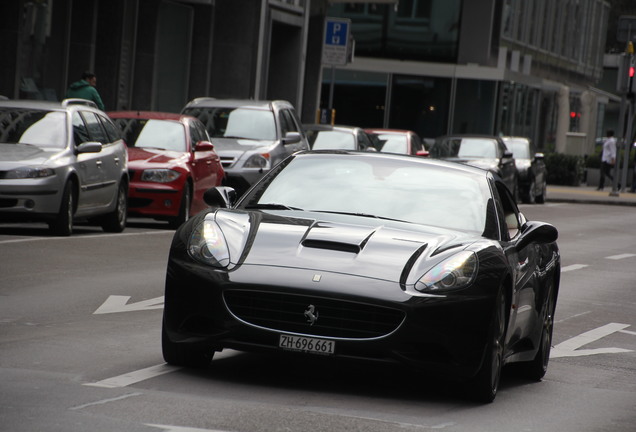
(171,163)
(398,141)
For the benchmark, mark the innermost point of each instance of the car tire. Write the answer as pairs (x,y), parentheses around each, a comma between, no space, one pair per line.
(486,383)
(115,222)
(536,369)
(182,354)
(184,208)
(62,225)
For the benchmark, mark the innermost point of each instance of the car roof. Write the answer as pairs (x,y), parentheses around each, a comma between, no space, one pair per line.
(48,105)
(155,115)
(389,131)
(328,127)
(237,103)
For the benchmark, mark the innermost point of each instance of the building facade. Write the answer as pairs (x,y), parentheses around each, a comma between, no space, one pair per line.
(510,67)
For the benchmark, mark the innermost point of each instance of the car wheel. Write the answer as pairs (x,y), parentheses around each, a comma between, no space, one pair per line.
(541,197)
(183,354)
(116,220)
(535,370)
(485,385)
(63,223)
(184,209)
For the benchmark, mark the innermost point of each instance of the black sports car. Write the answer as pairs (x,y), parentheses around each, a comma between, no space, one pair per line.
(371,256)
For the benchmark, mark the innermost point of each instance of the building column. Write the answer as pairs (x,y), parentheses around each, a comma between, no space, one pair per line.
(563,119)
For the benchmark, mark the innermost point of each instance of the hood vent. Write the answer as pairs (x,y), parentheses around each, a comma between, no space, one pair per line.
(331,245)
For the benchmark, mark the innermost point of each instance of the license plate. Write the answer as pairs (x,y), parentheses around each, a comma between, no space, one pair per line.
(306,344)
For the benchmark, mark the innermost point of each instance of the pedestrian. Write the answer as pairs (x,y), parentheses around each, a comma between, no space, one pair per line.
(85,89)
(608,159)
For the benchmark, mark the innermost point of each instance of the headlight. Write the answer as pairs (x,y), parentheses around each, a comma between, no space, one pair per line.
(257,161)
(159,175)
(208,246)
(456,272)
(29,172)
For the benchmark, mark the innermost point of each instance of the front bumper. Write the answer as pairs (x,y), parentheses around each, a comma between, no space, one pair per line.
(443,335)
(38,198)
(154,199)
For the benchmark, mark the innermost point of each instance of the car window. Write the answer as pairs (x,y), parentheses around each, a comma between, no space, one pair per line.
(112,131)
(519,148)
(195,135)
(222,122)
(388,189)
(394,143)
(511,216)
(320,140)
(363,141)
(162,134)
(94,127)
(80,133)
(288,124)
(34,127)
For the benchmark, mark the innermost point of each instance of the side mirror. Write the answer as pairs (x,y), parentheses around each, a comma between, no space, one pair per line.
(423,153)
(539,156)
(292,138)
(204,146)
(507,154)
(89,147)
(220,196)
(536,232)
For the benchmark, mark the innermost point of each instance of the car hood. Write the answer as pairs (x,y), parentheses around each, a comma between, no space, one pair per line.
(21,154)
(239,145)
(146,156)
(364,247)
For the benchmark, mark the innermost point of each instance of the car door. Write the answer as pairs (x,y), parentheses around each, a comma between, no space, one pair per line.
(88,168)
(110,159)
(524,264)
(204,163)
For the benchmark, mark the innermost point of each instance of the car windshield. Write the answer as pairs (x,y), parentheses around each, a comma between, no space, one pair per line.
(40,128)
(245,123)
(320,140)
(393,143)
(519,148)
(465,148)
(160,134)
(392,189)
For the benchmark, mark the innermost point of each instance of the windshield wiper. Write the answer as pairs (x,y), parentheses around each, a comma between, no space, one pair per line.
(271,206)
(359,214)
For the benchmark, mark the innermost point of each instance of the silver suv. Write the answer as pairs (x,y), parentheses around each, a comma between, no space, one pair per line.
(61,162)
(250,136)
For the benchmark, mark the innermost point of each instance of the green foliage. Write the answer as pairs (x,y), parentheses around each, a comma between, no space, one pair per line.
(564,169)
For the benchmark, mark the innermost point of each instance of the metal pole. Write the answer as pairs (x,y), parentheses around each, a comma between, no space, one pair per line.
(619,140)
(627,144)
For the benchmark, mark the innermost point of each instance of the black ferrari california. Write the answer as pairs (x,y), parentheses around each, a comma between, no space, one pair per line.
(366,255)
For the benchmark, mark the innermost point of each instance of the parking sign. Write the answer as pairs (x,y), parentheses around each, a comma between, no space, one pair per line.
(336,43)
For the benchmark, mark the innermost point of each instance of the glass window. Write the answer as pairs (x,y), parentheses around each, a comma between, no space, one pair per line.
(111,130)
(80,133)
(162,134)
(33,127)
(94,127)
(475,107)
(320,140)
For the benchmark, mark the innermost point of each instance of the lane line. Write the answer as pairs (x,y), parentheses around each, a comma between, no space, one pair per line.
(573,267)
(105,401)
(81,237)
(621,256)
(135,376)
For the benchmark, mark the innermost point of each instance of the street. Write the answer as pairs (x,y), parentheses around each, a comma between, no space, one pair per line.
(80,347)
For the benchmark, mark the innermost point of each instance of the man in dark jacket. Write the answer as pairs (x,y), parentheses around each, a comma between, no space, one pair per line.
(85,89)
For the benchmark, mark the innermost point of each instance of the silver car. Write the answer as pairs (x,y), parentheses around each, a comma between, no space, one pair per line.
(61,162)
(250,137)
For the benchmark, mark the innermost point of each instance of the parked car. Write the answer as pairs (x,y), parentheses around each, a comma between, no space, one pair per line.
(171,163)
(331,254)
(533,174)
(324,136)
(61,162)
(398,141)
(250,136)
(482,151)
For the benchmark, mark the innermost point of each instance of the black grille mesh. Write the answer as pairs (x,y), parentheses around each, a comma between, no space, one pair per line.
(336,318)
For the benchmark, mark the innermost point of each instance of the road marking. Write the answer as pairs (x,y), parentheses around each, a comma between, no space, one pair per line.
(627,332)
(118,303)
(573,267)
(574,316)
(167,428)
(134,377)
(570,348)
(104,401)
(620,257)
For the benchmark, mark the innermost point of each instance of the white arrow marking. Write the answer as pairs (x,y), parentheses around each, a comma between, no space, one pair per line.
(117,303)
(167,428)
(570,348)
(619,257)
(573,267)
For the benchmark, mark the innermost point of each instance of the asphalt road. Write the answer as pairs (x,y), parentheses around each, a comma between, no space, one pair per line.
(80,348)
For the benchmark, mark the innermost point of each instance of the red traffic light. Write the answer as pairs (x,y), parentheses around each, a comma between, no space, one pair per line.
(631,71)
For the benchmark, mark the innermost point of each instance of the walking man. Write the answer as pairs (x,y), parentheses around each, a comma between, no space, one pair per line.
(608,159)
(85,89)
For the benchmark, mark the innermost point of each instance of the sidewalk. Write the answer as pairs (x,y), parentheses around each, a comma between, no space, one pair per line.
(589,195)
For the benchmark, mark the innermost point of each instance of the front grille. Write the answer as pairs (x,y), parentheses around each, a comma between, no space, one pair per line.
(7,203)
(227,161)
(336,318)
